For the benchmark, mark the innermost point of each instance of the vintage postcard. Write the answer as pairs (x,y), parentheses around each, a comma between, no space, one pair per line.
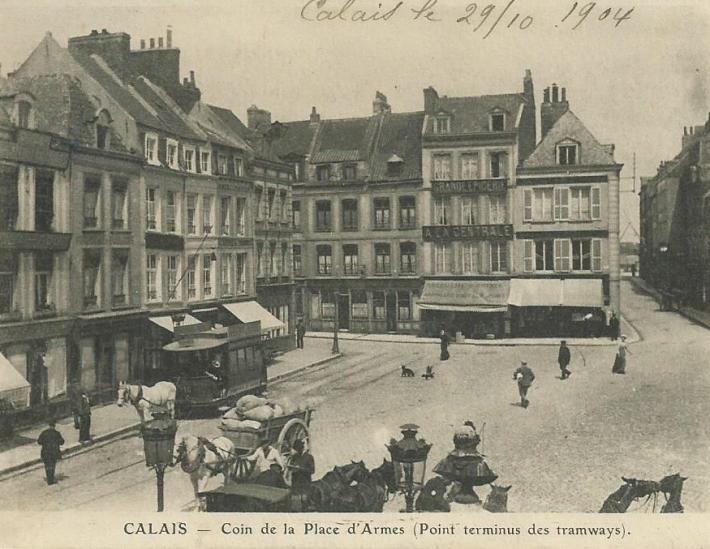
(364,273)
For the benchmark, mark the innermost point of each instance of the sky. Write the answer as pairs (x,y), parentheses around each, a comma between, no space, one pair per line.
(635,82)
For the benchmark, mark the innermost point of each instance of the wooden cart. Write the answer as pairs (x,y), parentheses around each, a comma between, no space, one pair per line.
(246,498)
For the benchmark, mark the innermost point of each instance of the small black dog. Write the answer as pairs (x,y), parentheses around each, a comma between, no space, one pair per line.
(429,373)
(407,372)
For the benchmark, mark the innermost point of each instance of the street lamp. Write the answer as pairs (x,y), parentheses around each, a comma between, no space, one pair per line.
(409,460)
(158,442)
(336,346)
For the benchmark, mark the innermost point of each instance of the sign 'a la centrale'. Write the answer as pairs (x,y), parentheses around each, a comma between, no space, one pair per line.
(447,233)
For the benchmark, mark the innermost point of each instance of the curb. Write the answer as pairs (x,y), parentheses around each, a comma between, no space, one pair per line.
(592,342)
(286,375)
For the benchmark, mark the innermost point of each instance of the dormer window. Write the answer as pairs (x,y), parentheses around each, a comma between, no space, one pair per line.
(349,172)
(103,131)
(567,154)
(323,172)
(151,148)
(394,165)
(24,114)
(442,124)
(497,122)
(189,161)
(171,153)
(205,162)
(238,167)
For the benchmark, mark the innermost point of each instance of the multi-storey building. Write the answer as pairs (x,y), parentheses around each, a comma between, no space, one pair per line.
(357,213)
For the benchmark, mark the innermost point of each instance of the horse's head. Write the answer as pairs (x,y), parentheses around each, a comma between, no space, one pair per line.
(348,473)
(641,488)
(497,500)
(432,496)
(122,397)
(672,483)
(190,453)
(386,471)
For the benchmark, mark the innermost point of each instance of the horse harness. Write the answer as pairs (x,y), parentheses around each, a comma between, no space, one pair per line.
(139,396)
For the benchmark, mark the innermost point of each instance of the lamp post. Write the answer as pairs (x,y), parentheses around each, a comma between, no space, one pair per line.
(409,456)
(158,442)
(336,346)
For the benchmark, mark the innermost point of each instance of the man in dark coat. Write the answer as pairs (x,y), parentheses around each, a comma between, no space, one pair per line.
(525,377)
(563,359)
(300,333)
(51,441)
(444,338)
(302,467)
(614,326)
(83,412)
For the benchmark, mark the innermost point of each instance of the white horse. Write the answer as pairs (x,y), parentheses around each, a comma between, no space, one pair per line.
(143,398)
(203,459)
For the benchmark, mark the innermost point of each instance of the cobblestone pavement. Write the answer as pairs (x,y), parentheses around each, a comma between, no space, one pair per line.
(565,453)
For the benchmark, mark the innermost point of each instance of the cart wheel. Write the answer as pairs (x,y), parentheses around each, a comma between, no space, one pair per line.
(295,429)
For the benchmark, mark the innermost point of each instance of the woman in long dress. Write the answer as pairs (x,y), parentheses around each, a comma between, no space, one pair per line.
(620,360)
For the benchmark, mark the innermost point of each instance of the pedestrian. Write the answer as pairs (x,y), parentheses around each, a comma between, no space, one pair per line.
(524,376)
(83,413)
(264,457)
(444,338)
(302,466)
(563,359)
(300,332)
(614,327)
(620,358)
(51,441)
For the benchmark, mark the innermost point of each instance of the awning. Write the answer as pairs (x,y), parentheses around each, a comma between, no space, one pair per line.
(250,311)
(582,292)
(194,344)
(531,292)
(479,296)
(13,386)
(166,322)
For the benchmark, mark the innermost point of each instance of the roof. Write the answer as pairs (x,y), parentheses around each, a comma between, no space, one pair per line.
(568,126)
(471,114)
(213,123)
(173,119)
(400,136)
(344,140)
(296,139)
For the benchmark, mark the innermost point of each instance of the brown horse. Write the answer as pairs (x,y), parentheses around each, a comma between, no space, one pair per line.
(632,489)
(333,492)
(374,486)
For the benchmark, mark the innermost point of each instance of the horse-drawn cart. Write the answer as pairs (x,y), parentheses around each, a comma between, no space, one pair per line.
(281,431)
(241,498)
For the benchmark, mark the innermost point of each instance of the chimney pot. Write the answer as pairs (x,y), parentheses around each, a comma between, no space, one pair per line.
(143,43)
(104,31)
(160,41)
(555,93)
(192,78)
(564,95)
(315,117)
(185,81)
(546,95)
(152,43)
(94,32)
(169,37)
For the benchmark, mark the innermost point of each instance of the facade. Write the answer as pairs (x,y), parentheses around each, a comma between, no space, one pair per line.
(675,222)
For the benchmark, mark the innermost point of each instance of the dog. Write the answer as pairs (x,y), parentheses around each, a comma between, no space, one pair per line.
(429,373)
(407,372)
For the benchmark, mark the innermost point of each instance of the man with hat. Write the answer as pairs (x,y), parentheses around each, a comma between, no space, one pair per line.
(563,359)
(524,376)
(51,441)
(264,457)
(302,467)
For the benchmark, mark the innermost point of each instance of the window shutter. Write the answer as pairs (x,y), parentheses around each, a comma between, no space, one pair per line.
(563,204)
(596,254)
(529,261)
(528,205)
(596,203)
(558,202)
(562,252)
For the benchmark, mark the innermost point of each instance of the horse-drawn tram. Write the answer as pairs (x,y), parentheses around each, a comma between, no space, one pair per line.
(212,366)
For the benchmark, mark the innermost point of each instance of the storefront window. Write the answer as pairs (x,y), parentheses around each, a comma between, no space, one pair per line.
(404,309)
(358,304)
(327,305)
(378,305)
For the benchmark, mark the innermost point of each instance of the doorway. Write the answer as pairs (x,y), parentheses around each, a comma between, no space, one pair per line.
(391,312)
(344,311)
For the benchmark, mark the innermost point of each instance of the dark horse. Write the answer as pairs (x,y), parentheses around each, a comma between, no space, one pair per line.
(374,486)
(333,492)
(632,489)
(497,500)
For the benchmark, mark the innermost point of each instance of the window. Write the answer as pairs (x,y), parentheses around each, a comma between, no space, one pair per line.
(596,254)
(561,203)
(171,153)
(350,172)
(24,114)
(442,167)
(192,277)
(562,255)
(542,204)
(150,149)
(323,220)
(382,213)
(9,199)
(567,154)
(582,255)
(119,277)
(441,256)
(271,197)
(382,258)
(469,257)
(442,124)
(469,166)
(260,205)
(260,259)
(241,219)
(296,257)
(469,210)
(171,211)
(596,203)
(206,276)
(358,304)
(283,200)
(378,306)
(498,122)
(327,305)
(188,154)
(227,274)
(325,258)
(92,282)
(404,306)
(543,260)
(44,200)
(274,256)
(151,214)
(323,173)
(350,261)
(119,204)
(226,214)
(350,215)
(92,202)
(103,135)
(8,281)
(284,258)
(222,164)
(191,213)
(394,166)
(205,162)
(499,164)
(496,209)
(173,262)
(276,206)
(241,273)
(207,222)
(499,257)
(151,290)
(296,214)
(408,258)
(407,212)
(441,211)
(43,281)
(238,167)
(528,256)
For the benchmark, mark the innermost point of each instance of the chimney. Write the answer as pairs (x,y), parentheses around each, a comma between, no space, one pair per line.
(114,48)
(528,89)
(546,95)
(152,43)
(192,79)
(315,117)
(258,119)
(431,100)
(169,37)
(380,105)
(551,111)
(160,42)
(142,43)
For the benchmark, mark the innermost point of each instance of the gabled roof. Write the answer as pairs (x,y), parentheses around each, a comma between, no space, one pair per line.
(344,140)
(471,114)
(400,136)
(216,128)
(173,120)
(568,126)
(297,138)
